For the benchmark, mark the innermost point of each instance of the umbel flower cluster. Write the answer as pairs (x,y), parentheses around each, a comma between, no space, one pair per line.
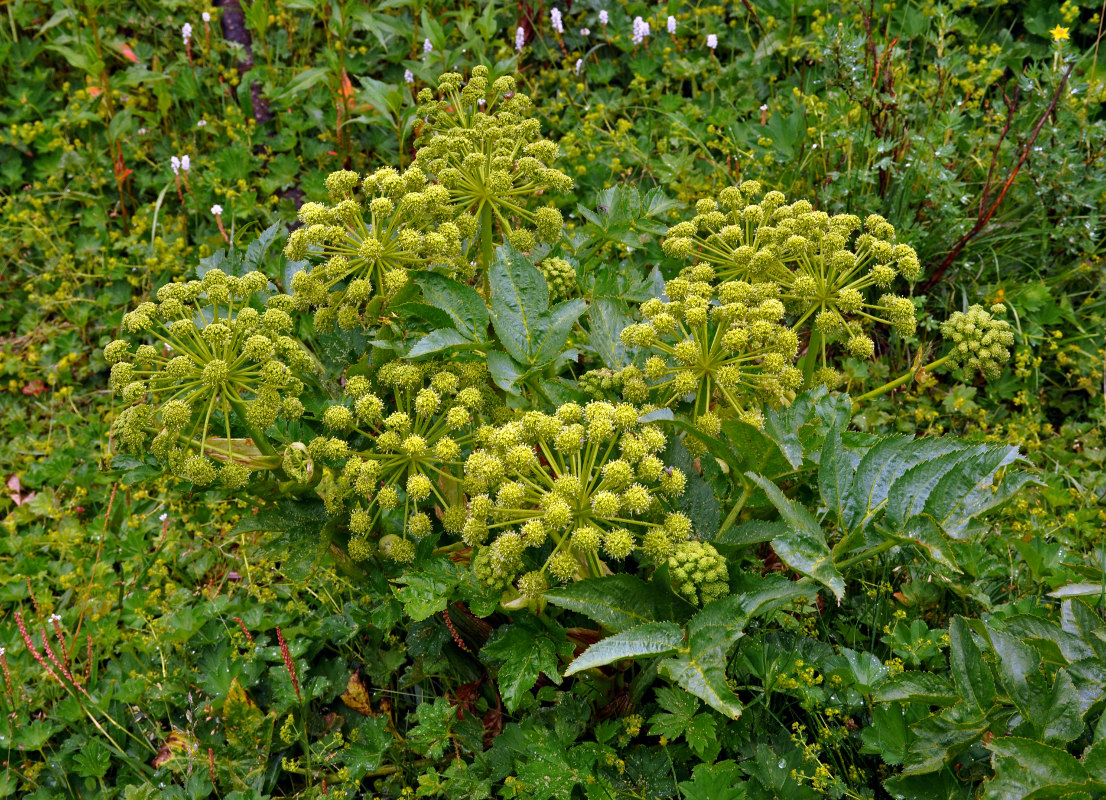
(479,143)
(552,496)
(727,340)
(416,421)
(208,352)
(480,163)
(698,573)
(368,240)
(980,342)
(828,269)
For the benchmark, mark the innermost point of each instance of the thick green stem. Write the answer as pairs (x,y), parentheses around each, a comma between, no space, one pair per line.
(869,553)
(902,379)
(810,360)
(731,518)
(487,244)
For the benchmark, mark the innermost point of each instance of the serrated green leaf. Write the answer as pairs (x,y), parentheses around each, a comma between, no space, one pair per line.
(527,649)
(752,532)
(504,371)
(969,491)
(520,298)
(1047,764)
(427,591)
(970,673)
(909,491)
(704,675)
(463,304)
(941,737)
(916,687)
(881,466)
(617,602)
(437,342)
(552,330)
(719,781)
(606,319)
(803,547)
(835,474)
(650,639)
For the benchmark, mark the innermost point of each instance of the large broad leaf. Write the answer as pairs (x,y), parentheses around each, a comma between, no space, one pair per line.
(884,464)
(504,371)
(917,687)
(800,428)
(438,341)
(300,542)
(941,737)
(701,667)
(553,328)
(465,307)
(835,474)
(909,492)
(970,673)
(969,491)
(427,591)
(650,639)
(1026,769)
(705,677)
(520,298)
(527,648)
(606,319)
(617,602)
(803,547)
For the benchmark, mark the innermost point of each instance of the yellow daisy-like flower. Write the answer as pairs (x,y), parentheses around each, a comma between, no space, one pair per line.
(1060,34)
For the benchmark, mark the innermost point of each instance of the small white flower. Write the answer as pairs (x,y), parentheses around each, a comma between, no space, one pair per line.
(216,209)
(174,163)
(579,65)
(142,131)
(186,32)
(585,32)
(185,163)
(408,76)
(641,30)
(201,123)
(205,17)
(672,26)
(555,18)
(764,107)
(480,101)
(55,617)
(603,18)
(164,517)
(712,41)
(427,47)
(520,38)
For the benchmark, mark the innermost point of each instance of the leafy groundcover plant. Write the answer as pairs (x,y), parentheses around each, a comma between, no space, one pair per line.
(620,518)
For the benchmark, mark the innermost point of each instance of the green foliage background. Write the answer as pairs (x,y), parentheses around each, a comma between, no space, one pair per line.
(942,672)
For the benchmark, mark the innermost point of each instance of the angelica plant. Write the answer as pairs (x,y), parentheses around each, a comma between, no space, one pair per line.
(826,271)
(367,244)
(480,142)
(214,358)
(587,479)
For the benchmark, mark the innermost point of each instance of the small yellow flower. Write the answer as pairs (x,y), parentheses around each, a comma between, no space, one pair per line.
(1059,34)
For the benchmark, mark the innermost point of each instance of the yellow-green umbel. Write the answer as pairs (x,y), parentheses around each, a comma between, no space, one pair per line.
(980,341)
(213,353)
(720,343)
(480,143)
(587,479)
(698,573)
(367,244)
(826,267)
(419,422)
